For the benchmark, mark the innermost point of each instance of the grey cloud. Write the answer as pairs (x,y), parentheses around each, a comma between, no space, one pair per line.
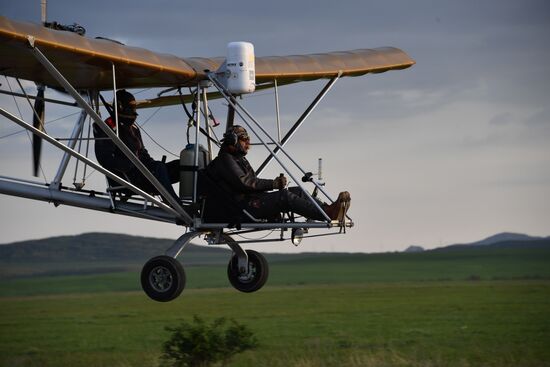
(540,119)
(504,118)
(481,67)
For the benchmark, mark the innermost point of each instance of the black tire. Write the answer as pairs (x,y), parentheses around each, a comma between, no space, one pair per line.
(163,278)
(258,271)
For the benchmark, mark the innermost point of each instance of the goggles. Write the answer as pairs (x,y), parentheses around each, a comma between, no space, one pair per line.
(244,137)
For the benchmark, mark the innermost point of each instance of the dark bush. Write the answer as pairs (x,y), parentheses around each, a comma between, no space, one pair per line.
(199,344)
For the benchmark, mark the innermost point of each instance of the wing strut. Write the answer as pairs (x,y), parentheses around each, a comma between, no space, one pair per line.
(298,123)
(208,127)
(197,129)
(127,152)
(227,95)
(56,183)
(91,163)
(277,112)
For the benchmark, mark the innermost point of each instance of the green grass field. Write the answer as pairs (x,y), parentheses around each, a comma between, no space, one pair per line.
(465,309)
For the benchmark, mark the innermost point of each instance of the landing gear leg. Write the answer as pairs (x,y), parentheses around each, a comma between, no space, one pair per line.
(162,277)
(247,270)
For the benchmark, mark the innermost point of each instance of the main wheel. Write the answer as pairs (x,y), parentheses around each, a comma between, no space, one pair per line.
(255,278)
(163,278)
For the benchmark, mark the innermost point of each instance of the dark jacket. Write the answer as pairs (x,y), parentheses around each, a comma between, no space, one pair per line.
(112,158)
(233,173)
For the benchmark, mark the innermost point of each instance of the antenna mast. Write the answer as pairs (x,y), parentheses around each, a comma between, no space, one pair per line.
(43,4)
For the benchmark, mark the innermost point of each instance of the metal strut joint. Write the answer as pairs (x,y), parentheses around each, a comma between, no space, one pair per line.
(226,94)
(176,206)
(182,242)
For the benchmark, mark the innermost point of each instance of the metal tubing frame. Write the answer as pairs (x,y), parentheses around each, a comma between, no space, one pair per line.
(265,225)
(225,94)
(21,180)
(207,124)
(115,98)
(56,182)
(181,243)
(299,122)
(242,256)
(86,160)
(49,100)
(37,191)
(178,212)
(108,131)
(196,158)
(230,116)
(279,146)
(277,114)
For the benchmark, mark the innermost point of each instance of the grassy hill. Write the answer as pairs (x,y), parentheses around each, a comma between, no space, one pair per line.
(100,253)
(116,265)
(92,247)
(94,253)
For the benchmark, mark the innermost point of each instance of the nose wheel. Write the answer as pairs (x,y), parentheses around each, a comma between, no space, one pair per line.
(163,278)
(251,279)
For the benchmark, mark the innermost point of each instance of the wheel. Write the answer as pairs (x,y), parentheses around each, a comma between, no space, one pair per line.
(163,278)
(255,278)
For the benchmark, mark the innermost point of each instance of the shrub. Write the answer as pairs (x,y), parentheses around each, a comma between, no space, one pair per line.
(199,344)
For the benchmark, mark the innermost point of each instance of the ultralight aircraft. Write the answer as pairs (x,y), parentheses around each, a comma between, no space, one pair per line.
(63,58)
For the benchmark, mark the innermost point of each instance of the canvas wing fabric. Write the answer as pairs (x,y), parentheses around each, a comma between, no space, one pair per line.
(87,63)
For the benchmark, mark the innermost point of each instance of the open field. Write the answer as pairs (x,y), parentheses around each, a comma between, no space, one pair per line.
(489,308)
(490,323)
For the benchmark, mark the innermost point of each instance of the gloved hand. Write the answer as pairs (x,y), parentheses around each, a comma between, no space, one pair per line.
(279,182)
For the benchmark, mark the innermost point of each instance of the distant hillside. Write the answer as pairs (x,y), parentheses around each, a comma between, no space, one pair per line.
(414,248)
(516,238)
(518,261)
(100,253)
(506,237)
(91,247)
(503,240)
(96,247)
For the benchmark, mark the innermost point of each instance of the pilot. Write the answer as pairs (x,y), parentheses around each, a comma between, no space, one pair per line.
(233,174)
(112,158)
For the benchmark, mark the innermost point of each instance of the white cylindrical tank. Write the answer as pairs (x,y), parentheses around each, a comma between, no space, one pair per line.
(187,168)
(241,69)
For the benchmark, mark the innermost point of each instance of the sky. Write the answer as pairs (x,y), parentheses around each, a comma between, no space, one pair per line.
(451,150)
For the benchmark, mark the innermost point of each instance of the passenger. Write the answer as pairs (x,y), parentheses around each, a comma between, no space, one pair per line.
(112,158)
(234,175)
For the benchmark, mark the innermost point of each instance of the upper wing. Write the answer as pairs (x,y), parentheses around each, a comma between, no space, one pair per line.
(290,69)
(87,63)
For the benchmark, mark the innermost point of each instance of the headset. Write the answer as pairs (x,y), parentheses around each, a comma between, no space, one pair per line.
(123,102)
(230,137)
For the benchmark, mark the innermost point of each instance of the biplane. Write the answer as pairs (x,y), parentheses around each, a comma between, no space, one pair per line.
(64,59)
